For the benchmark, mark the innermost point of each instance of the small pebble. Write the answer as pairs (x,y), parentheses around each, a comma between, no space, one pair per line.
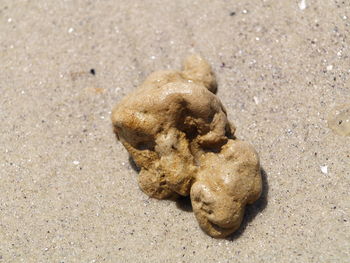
(324,169)
(302,5)
(329,67)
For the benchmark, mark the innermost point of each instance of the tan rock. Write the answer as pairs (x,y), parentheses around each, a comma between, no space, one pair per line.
(225,183)
(177,132)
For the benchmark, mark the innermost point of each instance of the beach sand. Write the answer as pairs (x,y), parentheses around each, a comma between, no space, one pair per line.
(68,192)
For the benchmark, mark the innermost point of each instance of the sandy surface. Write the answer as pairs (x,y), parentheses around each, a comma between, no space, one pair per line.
(68,192)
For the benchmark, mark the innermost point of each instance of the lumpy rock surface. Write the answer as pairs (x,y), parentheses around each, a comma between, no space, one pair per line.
(177,132)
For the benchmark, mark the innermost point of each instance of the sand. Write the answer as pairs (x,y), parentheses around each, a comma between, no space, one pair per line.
(68,192)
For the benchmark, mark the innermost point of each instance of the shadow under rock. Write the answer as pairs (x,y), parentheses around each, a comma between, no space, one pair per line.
(252,210)
(184,203)
(133,165)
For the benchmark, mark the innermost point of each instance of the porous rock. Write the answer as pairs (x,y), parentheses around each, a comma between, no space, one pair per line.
(177,132)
